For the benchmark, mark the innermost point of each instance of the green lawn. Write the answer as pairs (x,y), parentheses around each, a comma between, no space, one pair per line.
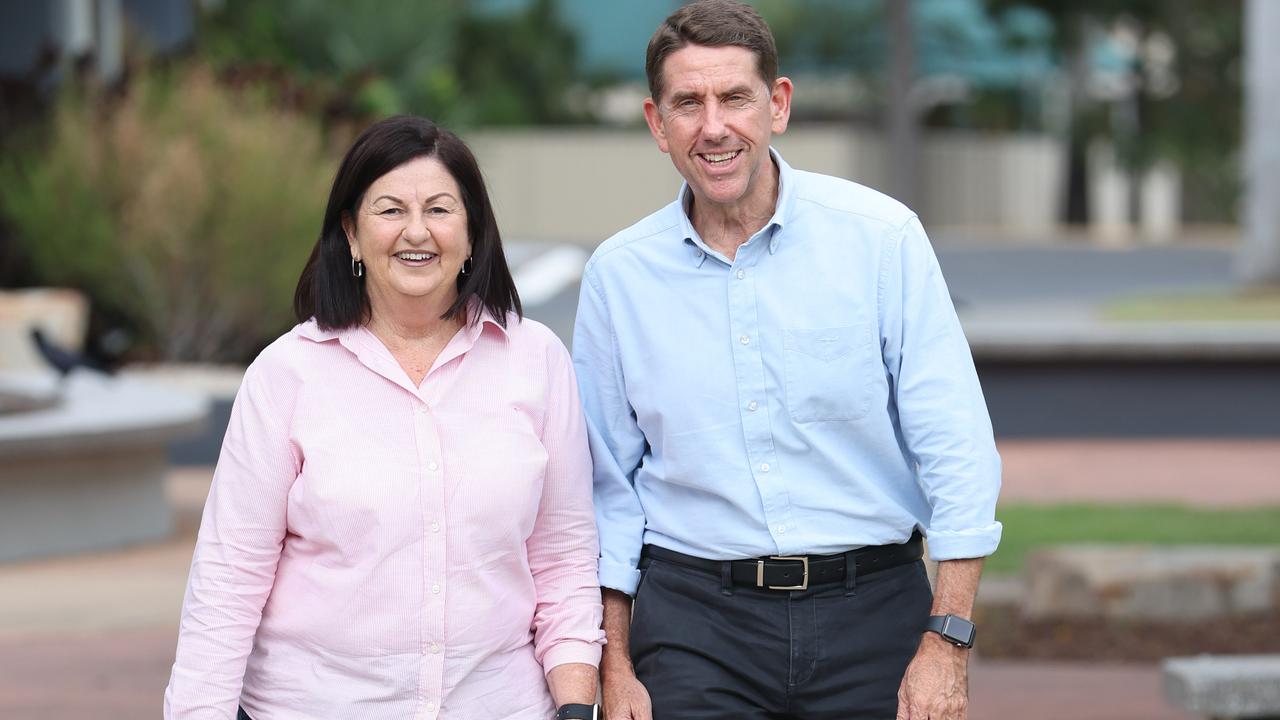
(1027,527)
(1247,306)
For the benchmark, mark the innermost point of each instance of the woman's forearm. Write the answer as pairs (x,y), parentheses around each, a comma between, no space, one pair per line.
(573,683)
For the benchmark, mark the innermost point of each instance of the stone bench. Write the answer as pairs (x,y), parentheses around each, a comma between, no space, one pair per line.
(1159,583)
(84,470)
(1225,687)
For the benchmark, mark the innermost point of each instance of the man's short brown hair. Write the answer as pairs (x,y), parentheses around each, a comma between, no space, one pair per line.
(712,23)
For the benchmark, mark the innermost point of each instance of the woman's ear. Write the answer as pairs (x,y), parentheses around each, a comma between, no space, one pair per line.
(349,229)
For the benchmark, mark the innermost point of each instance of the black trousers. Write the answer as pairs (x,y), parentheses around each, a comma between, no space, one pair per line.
(705,649)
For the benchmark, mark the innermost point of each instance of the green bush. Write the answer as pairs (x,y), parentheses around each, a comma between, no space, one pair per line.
(187,207)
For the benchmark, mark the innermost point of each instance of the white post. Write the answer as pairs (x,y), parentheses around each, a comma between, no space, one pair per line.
(1109,196)
(1259,257)
(1160,202)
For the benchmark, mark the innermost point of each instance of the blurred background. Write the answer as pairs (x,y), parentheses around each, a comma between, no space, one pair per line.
(1100,179)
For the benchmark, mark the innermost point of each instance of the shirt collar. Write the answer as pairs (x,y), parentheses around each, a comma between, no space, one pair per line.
(479,314)
(781,213)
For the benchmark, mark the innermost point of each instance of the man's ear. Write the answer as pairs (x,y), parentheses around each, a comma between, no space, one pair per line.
(780,104)
(653,117)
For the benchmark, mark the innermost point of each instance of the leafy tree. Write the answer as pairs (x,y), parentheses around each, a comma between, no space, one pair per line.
(447,60)
(1186,104)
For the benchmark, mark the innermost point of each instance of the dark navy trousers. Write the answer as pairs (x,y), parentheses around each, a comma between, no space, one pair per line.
(708,650)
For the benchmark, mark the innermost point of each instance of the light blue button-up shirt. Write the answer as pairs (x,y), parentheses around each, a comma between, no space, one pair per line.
(812,395)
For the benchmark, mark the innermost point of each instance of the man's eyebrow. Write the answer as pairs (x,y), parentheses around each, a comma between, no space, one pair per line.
(683,95)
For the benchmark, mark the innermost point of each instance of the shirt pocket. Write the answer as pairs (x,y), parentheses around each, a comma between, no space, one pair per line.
(830,372)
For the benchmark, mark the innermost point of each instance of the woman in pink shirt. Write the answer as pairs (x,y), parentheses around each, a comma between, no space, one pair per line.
(400,523)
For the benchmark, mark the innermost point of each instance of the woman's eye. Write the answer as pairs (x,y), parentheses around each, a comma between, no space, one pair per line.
(390,211)
(436,211)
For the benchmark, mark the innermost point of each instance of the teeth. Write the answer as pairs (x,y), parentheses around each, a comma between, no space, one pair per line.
(718,158)
(414,256)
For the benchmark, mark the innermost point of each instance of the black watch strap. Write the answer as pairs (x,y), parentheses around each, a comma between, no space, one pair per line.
(954,629)
(578,711)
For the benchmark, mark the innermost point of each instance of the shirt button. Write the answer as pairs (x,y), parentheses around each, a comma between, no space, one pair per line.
(744,340)
(780,529)
(431,706)
(764,467)
(741,274)
(436,588)
(433,466)
(434,648)
(752,405)
(421,410)
(435,527)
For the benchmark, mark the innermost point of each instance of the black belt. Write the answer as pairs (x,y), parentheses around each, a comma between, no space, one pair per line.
(798,572)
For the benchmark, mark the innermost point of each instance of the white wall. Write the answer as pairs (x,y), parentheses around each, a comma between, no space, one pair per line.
(582,185)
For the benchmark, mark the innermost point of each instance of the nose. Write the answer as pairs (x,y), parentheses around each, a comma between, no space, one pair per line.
(416,231)
(713,125)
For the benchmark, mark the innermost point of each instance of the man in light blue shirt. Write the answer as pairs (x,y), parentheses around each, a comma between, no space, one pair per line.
(779,397)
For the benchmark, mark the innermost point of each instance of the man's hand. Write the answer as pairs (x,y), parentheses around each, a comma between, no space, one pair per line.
(936,684)
(624,695)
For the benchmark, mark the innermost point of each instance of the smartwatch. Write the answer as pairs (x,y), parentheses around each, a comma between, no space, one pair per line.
(954,629)
(578,711)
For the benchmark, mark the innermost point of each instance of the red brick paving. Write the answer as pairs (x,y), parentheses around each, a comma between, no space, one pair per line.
(117,675)
(1221,473)
(1014,690)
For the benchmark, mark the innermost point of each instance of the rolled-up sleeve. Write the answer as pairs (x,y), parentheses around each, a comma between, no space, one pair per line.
(941,410)
(617,443)
(237,551)
(563,546)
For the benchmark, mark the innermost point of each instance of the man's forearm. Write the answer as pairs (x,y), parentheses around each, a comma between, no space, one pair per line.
(617,631)
(957,587)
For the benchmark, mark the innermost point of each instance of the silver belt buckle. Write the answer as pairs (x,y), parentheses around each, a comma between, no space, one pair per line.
(804,578)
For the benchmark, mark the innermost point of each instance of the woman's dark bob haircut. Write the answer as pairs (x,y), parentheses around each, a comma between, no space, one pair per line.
(329,292)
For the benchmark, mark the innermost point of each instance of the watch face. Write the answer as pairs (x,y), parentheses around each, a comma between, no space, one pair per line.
(959,631)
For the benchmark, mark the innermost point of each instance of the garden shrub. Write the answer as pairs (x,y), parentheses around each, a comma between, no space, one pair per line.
(187,207)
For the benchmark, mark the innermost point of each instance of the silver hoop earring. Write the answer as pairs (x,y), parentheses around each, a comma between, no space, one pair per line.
(467,266)
(357,268)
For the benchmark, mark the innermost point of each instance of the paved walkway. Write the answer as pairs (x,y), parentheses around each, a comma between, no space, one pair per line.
(120,675)
(1216,473)
(93,636)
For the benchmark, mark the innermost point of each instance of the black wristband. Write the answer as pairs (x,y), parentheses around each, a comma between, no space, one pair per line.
(578,711)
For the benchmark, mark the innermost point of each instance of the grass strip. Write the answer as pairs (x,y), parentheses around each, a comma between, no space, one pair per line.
(1028,527)
(1255,305)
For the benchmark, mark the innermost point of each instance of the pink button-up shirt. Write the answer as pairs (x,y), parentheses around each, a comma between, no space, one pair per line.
(371,549)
